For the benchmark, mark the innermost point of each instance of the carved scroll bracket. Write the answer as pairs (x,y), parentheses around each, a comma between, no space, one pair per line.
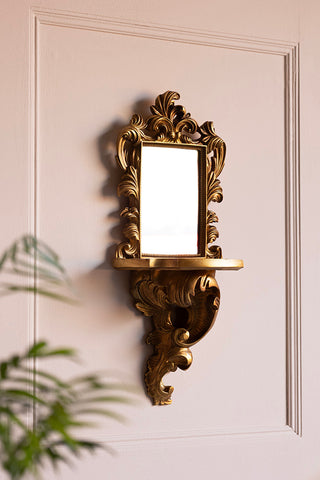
(183,308)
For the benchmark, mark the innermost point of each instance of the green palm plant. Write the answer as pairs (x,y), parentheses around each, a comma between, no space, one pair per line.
(35,268)
(40,413)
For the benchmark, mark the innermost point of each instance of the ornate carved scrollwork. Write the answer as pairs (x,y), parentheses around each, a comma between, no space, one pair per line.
(183,308)
(179,293)
(168,123)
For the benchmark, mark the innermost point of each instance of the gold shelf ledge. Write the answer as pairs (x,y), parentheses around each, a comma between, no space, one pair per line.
(156,263)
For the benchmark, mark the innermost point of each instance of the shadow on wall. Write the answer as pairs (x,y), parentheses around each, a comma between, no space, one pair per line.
(107,148)
(107,151)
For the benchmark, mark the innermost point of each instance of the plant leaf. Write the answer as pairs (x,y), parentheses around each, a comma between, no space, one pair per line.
(12,393)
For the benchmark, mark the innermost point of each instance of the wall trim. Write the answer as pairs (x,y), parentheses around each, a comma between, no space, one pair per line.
(290,53)
(293,246)
(201,437)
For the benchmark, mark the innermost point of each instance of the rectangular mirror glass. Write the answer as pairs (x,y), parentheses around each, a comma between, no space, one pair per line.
(170,199)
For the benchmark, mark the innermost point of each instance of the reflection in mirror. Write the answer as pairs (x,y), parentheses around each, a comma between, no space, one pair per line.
(169,200)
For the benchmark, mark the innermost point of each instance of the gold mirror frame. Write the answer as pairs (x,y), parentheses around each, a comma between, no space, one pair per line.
(179,293)
(169,124)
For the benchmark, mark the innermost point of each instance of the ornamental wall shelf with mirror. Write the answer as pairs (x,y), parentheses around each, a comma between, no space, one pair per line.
(170,180)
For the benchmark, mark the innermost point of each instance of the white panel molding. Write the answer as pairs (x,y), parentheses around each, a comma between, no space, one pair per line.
(290,53)
(33,154)
(199,437)
(293,247)
(69,19)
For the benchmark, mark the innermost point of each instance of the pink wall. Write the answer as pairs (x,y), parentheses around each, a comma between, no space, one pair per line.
(73,75)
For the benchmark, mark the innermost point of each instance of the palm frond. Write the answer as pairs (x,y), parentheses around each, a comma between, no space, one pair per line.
(62,408)
(35,268)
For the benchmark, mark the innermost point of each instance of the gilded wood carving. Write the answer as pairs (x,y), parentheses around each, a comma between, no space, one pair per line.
(168,123)
(178,293)
(183,307)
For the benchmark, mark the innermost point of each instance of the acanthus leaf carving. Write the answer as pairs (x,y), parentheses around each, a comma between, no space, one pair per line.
(129,183)
(212,251)
(215,163)
(212,217)
(215,144)
(164,105)
(168,123)
(130,248)
(171,122)
(183,308)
